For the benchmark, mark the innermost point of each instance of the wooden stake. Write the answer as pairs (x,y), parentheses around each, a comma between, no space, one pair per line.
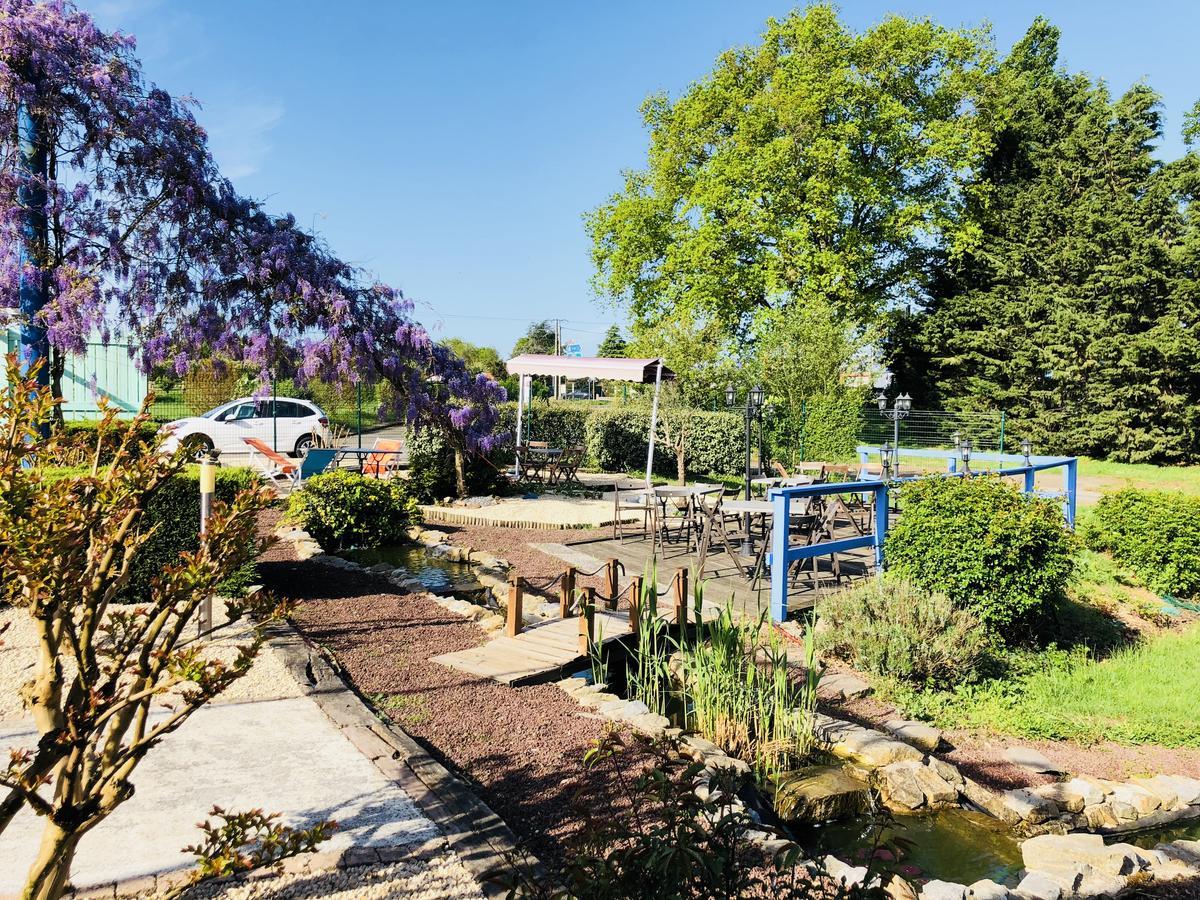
(635,605)
(612,583)
(566,592)
(587,621)
(681,596)
(514,624)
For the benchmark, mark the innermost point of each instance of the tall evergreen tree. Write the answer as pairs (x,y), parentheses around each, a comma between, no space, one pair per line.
(614,344)
(1064,308)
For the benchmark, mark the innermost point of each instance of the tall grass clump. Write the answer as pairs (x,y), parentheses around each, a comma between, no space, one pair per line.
(649,677)
(741,697)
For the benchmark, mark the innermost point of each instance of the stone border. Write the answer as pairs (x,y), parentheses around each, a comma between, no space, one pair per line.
(450,516)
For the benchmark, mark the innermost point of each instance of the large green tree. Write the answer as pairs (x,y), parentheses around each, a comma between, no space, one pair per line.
(819,162)
(614,343)
(1068,309)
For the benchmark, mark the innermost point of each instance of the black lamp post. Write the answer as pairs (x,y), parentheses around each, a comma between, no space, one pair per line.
(964,450)
(885,458)
(1027,451)
(901,407)
(752,411)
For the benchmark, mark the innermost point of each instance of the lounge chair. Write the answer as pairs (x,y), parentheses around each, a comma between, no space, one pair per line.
(383,463)
(277,464)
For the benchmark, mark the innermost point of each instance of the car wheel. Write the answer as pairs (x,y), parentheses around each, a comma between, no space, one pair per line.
(195,445)
(304,444)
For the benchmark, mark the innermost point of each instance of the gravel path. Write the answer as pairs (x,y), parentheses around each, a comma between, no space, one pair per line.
(442,876)
(522,747)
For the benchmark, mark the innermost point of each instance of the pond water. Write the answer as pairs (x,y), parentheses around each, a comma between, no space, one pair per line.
(1151,837)
(435,573)
(952,845)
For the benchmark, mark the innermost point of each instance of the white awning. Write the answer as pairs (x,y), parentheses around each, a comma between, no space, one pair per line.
(641,371)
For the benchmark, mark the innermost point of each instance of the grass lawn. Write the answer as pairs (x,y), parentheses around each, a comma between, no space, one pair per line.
(1144,694)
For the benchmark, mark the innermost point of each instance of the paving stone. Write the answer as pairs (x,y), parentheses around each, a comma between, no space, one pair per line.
(1028,806)
(922,735)
(1100,817)
(650,724)
(1124,812)
(1186,852)
(943,890)
(1028,758)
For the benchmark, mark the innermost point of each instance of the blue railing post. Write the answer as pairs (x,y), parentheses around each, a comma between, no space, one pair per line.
(952,464)
(781,518)
(881,524)
(1030,479)
(1070,483)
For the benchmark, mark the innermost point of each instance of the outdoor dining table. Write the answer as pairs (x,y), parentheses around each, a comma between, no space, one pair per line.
(362,453)
(537,458)
(664,493)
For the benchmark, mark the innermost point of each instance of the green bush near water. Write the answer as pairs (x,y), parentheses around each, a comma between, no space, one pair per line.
(1154,533)
(888,627)
(343,509)
(985,545)
(431,469)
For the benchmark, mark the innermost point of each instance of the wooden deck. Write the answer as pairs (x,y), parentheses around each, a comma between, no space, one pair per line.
(551,651)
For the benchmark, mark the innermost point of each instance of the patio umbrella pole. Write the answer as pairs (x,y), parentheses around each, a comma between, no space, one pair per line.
(520,410)
(653,421)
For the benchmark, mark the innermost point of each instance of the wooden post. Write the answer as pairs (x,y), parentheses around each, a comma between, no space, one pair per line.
(612,583)
(681,596)
(513,626)
(587,621)
(566,592)
(635,605)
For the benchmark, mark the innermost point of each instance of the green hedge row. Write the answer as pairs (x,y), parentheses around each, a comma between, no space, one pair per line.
(1154,533)
(616,437)
(175,510)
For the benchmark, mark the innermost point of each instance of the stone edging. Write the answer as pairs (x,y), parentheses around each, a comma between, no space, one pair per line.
(455,517)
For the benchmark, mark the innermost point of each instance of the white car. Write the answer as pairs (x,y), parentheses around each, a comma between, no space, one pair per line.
(300,424)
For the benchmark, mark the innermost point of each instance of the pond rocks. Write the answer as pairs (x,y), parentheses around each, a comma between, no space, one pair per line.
(1036,886)
(908,786)
(1033,760)
(1023,805)
(986,889)
(1050,852)
(840,686)
(865,746)
(918,734)
(820,794)
(943,890)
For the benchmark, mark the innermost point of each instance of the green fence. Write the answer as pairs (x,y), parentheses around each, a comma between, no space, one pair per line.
(936,429)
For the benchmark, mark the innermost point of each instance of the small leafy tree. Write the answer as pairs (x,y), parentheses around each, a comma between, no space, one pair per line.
(67,549)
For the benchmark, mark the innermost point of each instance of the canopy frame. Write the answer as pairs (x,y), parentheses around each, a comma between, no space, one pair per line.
(639,371)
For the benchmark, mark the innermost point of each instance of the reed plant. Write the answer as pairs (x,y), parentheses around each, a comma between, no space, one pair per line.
(649,675)
(742,697)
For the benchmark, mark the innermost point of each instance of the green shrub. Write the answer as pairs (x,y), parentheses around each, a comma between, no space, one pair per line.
(558,423)
(431,468)
(1154,533)
(832,424)
(175,512)
(889,627)
(343,509)
(984,544)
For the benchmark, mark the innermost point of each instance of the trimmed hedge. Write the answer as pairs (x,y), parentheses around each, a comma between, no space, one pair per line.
(616,437)
(343,509)
(175,510)
(984,544)
(1154,533)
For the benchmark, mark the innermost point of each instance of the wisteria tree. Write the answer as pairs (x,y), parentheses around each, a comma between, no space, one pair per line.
(112,208)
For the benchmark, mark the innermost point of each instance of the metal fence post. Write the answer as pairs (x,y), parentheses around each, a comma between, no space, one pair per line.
(359,396)
(881,524)
(1001,432)
(779,546)
(1070,483)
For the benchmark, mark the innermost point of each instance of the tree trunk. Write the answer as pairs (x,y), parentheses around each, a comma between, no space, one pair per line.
(460,471)
(52,868)
(58,365)
(681,465)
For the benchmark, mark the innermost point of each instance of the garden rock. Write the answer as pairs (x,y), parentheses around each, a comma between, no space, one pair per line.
(1091,792)
(1142,800)
(899,788)
(1067,797)
(1185,852)
(820,796)
(873,748)
(899,889)
(727,763)
(947,771)
(1024,805)
(840,686)
(1049,852)
(1036,886)
(1100,817)
(701,747)
(919,734)
(850,876)
(943,890)
(986,889)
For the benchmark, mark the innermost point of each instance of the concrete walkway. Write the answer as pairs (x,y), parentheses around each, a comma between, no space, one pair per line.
(281,755)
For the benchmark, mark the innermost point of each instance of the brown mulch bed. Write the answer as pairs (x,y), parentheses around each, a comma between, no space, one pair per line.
(523,748)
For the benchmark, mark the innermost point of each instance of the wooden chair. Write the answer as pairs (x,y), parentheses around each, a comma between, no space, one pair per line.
(715,534)
(383,463)
(565,469)
(533,465)
(277,466)
(632,497)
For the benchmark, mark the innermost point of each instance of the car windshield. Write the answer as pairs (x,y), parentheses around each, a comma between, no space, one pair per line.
(212,413)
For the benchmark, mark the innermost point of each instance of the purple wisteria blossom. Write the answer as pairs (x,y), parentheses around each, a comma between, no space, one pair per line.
(147,242)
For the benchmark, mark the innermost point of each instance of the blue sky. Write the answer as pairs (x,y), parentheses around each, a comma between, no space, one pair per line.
(452,148)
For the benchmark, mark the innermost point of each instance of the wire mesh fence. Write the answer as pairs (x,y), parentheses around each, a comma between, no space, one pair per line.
(936,429)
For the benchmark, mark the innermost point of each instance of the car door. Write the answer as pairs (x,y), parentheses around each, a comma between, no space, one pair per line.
(240,421)
(292,424)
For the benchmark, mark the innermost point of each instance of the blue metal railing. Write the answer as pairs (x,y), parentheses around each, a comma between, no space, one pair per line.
(783,554)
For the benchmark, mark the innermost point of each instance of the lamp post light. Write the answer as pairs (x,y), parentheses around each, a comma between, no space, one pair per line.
(1027,452)
(964,450)
(885,458)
